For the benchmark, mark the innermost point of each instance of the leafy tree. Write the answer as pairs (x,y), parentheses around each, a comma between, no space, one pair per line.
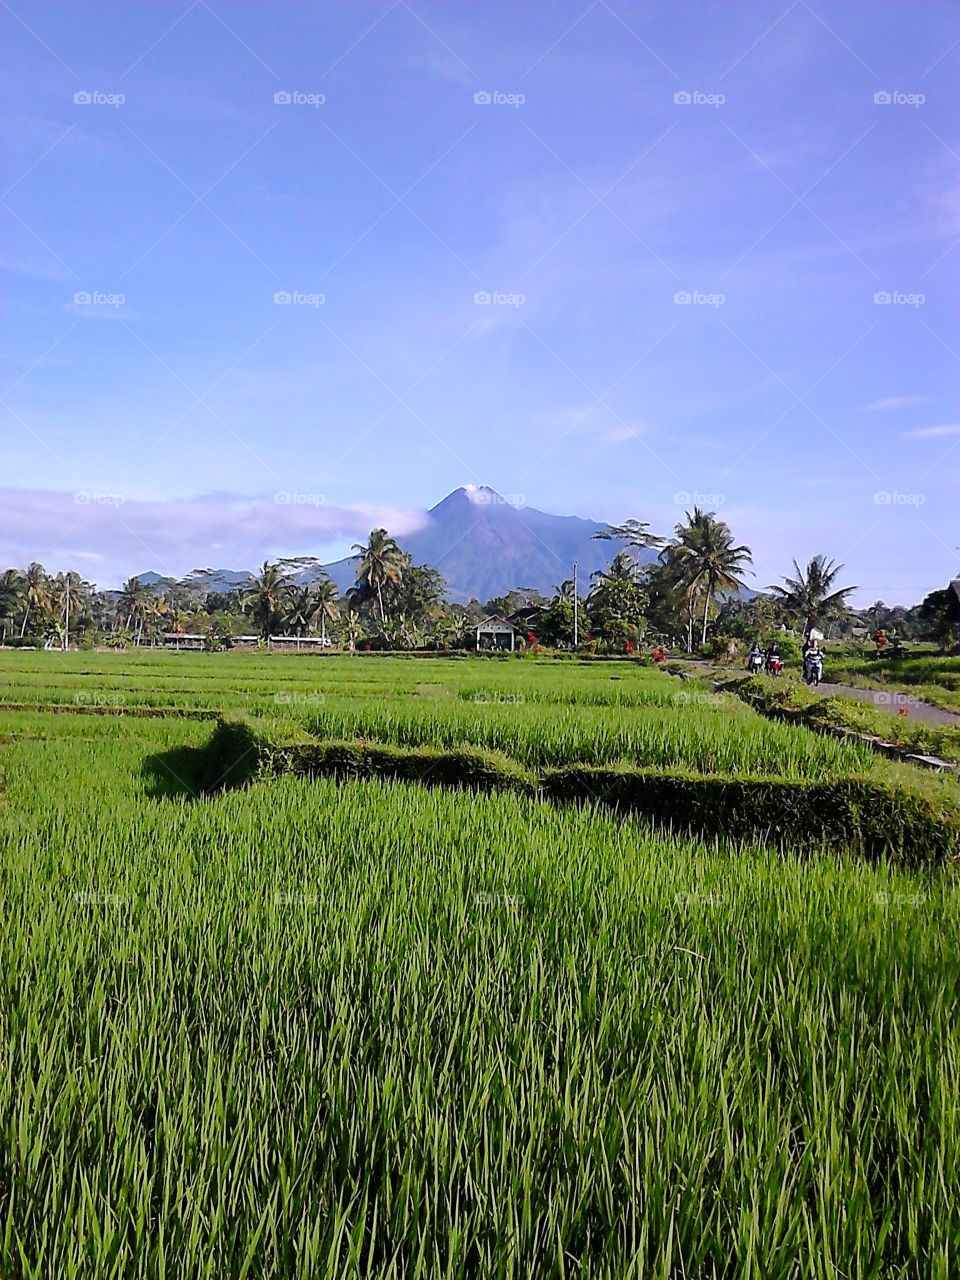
(940,612)
(812,596)
(635,533)
(136,601)
(328,603)
(12,597)
(556,623)
(616,600)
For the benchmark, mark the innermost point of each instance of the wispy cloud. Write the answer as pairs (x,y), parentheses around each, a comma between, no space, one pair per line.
(934,433)
(896,402)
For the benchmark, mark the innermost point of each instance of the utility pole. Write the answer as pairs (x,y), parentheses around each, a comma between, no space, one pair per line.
(576,629)
(66,618)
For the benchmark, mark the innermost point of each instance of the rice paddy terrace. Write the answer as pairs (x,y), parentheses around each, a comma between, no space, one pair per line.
(368,966)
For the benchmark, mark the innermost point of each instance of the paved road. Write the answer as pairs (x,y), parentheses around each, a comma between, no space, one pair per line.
(894,702)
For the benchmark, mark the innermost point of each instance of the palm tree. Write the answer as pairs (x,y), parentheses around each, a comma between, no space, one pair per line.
(811,595)
(328,608)
(36,594)
(268,598)
(381,563)
(708,560)
(301,610)
(12,589)
(135,601)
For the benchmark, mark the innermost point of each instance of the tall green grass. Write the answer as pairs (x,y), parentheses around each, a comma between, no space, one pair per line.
(356,1030)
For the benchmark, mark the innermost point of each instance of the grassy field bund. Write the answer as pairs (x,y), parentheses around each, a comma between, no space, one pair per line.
(371,966)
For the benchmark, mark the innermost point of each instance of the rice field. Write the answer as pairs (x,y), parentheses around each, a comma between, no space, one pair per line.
(352,1029)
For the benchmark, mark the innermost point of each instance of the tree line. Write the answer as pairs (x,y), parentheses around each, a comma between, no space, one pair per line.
(686,591)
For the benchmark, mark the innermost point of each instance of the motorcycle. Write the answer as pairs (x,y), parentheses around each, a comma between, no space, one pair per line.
(813,669)
(755,663)
(774,665)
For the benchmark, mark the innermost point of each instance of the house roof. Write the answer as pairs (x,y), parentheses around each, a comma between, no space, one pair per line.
(495,621)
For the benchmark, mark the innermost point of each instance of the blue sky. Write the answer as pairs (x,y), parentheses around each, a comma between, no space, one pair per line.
(686,218)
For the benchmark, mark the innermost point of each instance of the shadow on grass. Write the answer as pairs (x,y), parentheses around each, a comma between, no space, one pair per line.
(228,761)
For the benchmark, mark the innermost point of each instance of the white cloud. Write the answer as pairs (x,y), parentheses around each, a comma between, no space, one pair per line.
(934,433)
(896,402)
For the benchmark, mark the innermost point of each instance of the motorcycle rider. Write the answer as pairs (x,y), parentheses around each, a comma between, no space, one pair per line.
(755,658)
(773,656)
(812,654)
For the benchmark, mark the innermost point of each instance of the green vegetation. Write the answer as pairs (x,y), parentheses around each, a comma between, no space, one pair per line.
(931,677)
(339,1026)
